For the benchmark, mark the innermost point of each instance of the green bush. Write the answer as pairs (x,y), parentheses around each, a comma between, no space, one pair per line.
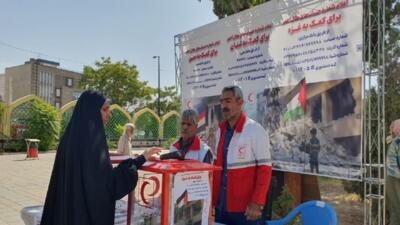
(2,111)
(120,129)
(169,142)
(43,123)
(112,144)
(113,127)
(283,205)
(15,145)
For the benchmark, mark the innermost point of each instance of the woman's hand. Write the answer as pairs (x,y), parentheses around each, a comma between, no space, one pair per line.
(151,153)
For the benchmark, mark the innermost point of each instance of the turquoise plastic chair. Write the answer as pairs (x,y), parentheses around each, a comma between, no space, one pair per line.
(312,213)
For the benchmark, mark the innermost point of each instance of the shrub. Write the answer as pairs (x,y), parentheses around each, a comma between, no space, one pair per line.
(2,112)
(169,142)
(43,123)
(15,145)
(283,205)
(120,129)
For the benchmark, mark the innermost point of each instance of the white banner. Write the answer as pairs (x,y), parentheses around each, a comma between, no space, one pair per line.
(266,47)
(273,51)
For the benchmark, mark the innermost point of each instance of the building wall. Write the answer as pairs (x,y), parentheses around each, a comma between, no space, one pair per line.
(17,82)
(2,87)
(43,81)
(67,93)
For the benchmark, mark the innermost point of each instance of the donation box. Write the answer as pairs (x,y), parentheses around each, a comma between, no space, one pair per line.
(172,192)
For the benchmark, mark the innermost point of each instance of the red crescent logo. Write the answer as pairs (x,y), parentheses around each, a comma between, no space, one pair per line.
(242,149)
(156,184)
(251,97)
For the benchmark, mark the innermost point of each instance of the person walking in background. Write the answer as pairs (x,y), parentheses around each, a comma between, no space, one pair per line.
(124,142)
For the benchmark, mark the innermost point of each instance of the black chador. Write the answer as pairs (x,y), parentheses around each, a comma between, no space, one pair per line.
(83,185)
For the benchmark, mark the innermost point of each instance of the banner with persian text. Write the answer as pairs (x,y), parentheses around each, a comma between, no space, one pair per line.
(299,64)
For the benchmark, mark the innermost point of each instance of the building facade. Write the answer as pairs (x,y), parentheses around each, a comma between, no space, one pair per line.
(2,87)
(43,78)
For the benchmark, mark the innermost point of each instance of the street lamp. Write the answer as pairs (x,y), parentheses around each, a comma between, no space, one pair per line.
(159,104)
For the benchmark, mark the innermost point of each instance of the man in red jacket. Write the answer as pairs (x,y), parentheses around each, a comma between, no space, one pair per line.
(240,189)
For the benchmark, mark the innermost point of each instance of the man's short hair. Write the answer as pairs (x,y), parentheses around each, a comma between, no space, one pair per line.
(189,114)
(236,90)
(313,131)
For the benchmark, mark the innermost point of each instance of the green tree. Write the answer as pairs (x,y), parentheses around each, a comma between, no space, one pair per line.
(2,117)
(392,83)
(223,8)
(118,81)
(169,100)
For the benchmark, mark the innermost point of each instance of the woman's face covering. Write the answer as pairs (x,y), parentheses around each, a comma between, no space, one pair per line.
(105,112)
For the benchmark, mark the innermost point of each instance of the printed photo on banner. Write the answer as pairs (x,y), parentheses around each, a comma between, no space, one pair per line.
(314,128)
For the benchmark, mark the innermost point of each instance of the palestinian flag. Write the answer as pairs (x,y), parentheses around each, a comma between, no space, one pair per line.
(297,106)
(182,200)
(202,118)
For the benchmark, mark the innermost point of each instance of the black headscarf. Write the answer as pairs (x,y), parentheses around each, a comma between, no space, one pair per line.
(83,186)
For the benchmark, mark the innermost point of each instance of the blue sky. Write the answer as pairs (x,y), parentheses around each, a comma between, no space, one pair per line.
(78,32)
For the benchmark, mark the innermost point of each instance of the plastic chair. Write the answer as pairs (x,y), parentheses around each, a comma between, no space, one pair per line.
(312,213)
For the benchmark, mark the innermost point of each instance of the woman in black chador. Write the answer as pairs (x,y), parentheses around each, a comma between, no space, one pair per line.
(84,186)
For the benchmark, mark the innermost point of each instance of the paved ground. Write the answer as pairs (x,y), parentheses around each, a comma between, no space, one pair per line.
(23,183)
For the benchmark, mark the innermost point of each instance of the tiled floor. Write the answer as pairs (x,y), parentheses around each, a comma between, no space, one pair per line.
(23,183)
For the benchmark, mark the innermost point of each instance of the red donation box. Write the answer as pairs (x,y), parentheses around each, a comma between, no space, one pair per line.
(174,192)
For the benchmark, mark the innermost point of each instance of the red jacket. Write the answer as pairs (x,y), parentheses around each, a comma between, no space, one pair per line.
(249,168)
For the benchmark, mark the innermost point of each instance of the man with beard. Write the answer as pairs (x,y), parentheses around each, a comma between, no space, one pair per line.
(241,187)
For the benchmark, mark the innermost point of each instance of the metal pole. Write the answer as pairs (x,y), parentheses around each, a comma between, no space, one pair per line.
(158,91)
(159,104)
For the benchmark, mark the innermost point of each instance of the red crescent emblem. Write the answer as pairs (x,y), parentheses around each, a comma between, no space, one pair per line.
(251,97)
(242,149)
(155,191)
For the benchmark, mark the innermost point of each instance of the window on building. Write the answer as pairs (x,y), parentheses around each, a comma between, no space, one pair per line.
(70,82)
(58,92)
(58,105)
(46,86)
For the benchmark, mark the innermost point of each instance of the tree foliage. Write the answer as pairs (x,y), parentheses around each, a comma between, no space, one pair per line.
(392,57)
(169,100)
(2,115)
(223,8)
(119,81)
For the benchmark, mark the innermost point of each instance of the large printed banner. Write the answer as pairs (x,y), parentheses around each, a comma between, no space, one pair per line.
(299,64)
